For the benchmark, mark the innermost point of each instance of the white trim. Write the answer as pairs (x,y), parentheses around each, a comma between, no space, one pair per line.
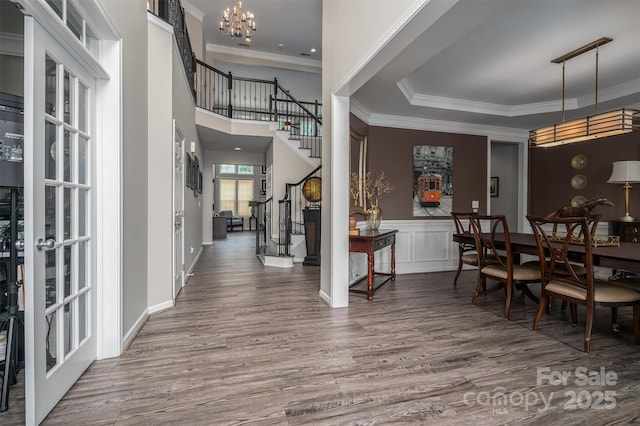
(109,206)
(324,297)
(11,44)
(335,237)
(56,28)
(135,329)
(424,100)
(251,57)
(193,265)
(160,307)
(395,121)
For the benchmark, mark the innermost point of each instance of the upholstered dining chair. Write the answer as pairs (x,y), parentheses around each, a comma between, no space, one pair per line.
(561,278)
(500,264)
(467,254)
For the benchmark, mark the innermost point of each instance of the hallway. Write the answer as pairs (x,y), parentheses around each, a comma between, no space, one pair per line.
(249,344)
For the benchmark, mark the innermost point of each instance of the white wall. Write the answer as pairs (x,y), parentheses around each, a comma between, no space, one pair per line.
(350,57)
(169,98)
(184,111)
(159,165)
(131,21)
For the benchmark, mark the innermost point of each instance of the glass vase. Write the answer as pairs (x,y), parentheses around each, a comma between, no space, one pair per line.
(374,217)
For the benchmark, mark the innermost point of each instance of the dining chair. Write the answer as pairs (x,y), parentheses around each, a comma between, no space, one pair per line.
(561,279)
(500,265)
(467,254)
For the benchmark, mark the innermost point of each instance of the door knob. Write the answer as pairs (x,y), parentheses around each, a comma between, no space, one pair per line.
(41,244)
(20,245)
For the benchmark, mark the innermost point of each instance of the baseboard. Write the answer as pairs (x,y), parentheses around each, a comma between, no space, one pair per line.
(160,307)
(134,330)
(193,265)
(324,297)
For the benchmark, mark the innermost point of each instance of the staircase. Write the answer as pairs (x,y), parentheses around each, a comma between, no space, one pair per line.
(295,123)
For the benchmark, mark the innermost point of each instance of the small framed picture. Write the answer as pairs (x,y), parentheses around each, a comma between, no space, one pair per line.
(494,186)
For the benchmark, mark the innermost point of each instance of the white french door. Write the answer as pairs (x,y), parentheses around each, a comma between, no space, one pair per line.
(60,314)
(178,211)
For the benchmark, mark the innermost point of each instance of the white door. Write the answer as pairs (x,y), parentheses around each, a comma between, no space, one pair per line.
(60,314)
(178,211)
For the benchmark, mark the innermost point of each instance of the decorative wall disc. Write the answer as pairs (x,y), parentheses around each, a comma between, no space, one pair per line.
(578,200)
(312,189)
(578,162)
(578,181)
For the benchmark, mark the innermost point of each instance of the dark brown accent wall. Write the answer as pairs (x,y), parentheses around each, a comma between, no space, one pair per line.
(391,150)
(550,175)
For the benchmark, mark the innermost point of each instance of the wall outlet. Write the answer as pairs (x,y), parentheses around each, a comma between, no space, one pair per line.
(475,205)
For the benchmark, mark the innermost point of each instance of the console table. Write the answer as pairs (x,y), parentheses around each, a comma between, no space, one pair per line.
(369,242)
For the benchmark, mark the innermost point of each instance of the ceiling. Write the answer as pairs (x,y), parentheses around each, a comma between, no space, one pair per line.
(485,63)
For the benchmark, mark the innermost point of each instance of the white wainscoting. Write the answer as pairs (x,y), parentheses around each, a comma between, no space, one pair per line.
(421,246)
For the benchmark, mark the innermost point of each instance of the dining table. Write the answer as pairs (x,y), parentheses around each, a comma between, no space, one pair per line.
(625,257)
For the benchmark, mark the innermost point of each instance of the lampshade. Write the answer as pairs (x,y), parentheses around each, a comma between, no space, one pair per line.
(625,172)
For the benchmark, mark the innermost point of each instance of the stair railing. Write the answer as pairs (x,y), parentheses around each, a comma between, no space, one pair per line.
(291,220)
(263,226)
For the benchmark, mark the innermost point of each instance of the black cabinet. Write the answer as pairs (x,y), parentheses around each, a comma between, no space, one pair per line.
(628,231)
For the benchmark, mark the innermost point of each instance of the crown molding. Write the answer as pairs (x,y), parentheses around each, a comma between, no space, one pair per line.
(400,122)
(422,100)
(11,44)
(253,57)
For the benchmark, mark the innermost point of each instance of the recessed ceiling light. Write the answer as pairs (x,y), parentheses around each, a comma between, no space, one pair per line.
(313,50)
(280,45)
(237,148)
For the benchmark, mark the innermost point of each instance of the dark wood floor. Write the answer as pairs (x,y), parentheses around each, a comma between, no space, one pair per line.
(248,344)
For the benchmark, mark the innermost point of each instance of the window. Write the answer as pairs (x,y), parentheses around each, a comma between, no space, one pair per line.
(235,195)
(242,169)
(74,20)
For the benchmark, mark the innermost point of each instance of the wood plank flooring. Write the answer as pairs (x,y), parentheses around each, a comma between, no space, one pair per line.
(248,344)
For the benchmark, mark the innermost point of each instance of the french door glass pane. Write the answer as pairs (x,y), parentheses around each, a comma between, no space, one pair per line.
(50,212)
(66,155)
(50,153)
(82,108)
(83,319)
(68,213)
(67,97)
(68,314)
(51,345)
(50,278)
(68,271)
(83,164)
(83,258)
(83,198)
(51,84)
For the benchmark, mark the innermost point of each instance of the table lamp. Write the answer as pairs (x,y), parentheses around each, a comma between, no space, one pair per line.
(625,173)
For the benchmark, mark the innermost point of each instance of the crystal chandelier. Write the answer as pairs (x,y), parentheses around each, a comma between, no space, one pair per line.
(237,23)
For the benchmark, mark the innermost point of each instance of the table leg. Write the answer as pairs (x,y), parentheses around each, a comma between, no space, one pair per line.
(370,274)
(393,262)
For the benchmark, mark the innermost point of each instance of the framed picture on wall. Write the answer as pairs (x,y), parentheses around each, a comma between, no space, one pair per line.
(494,186)
(188,171)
